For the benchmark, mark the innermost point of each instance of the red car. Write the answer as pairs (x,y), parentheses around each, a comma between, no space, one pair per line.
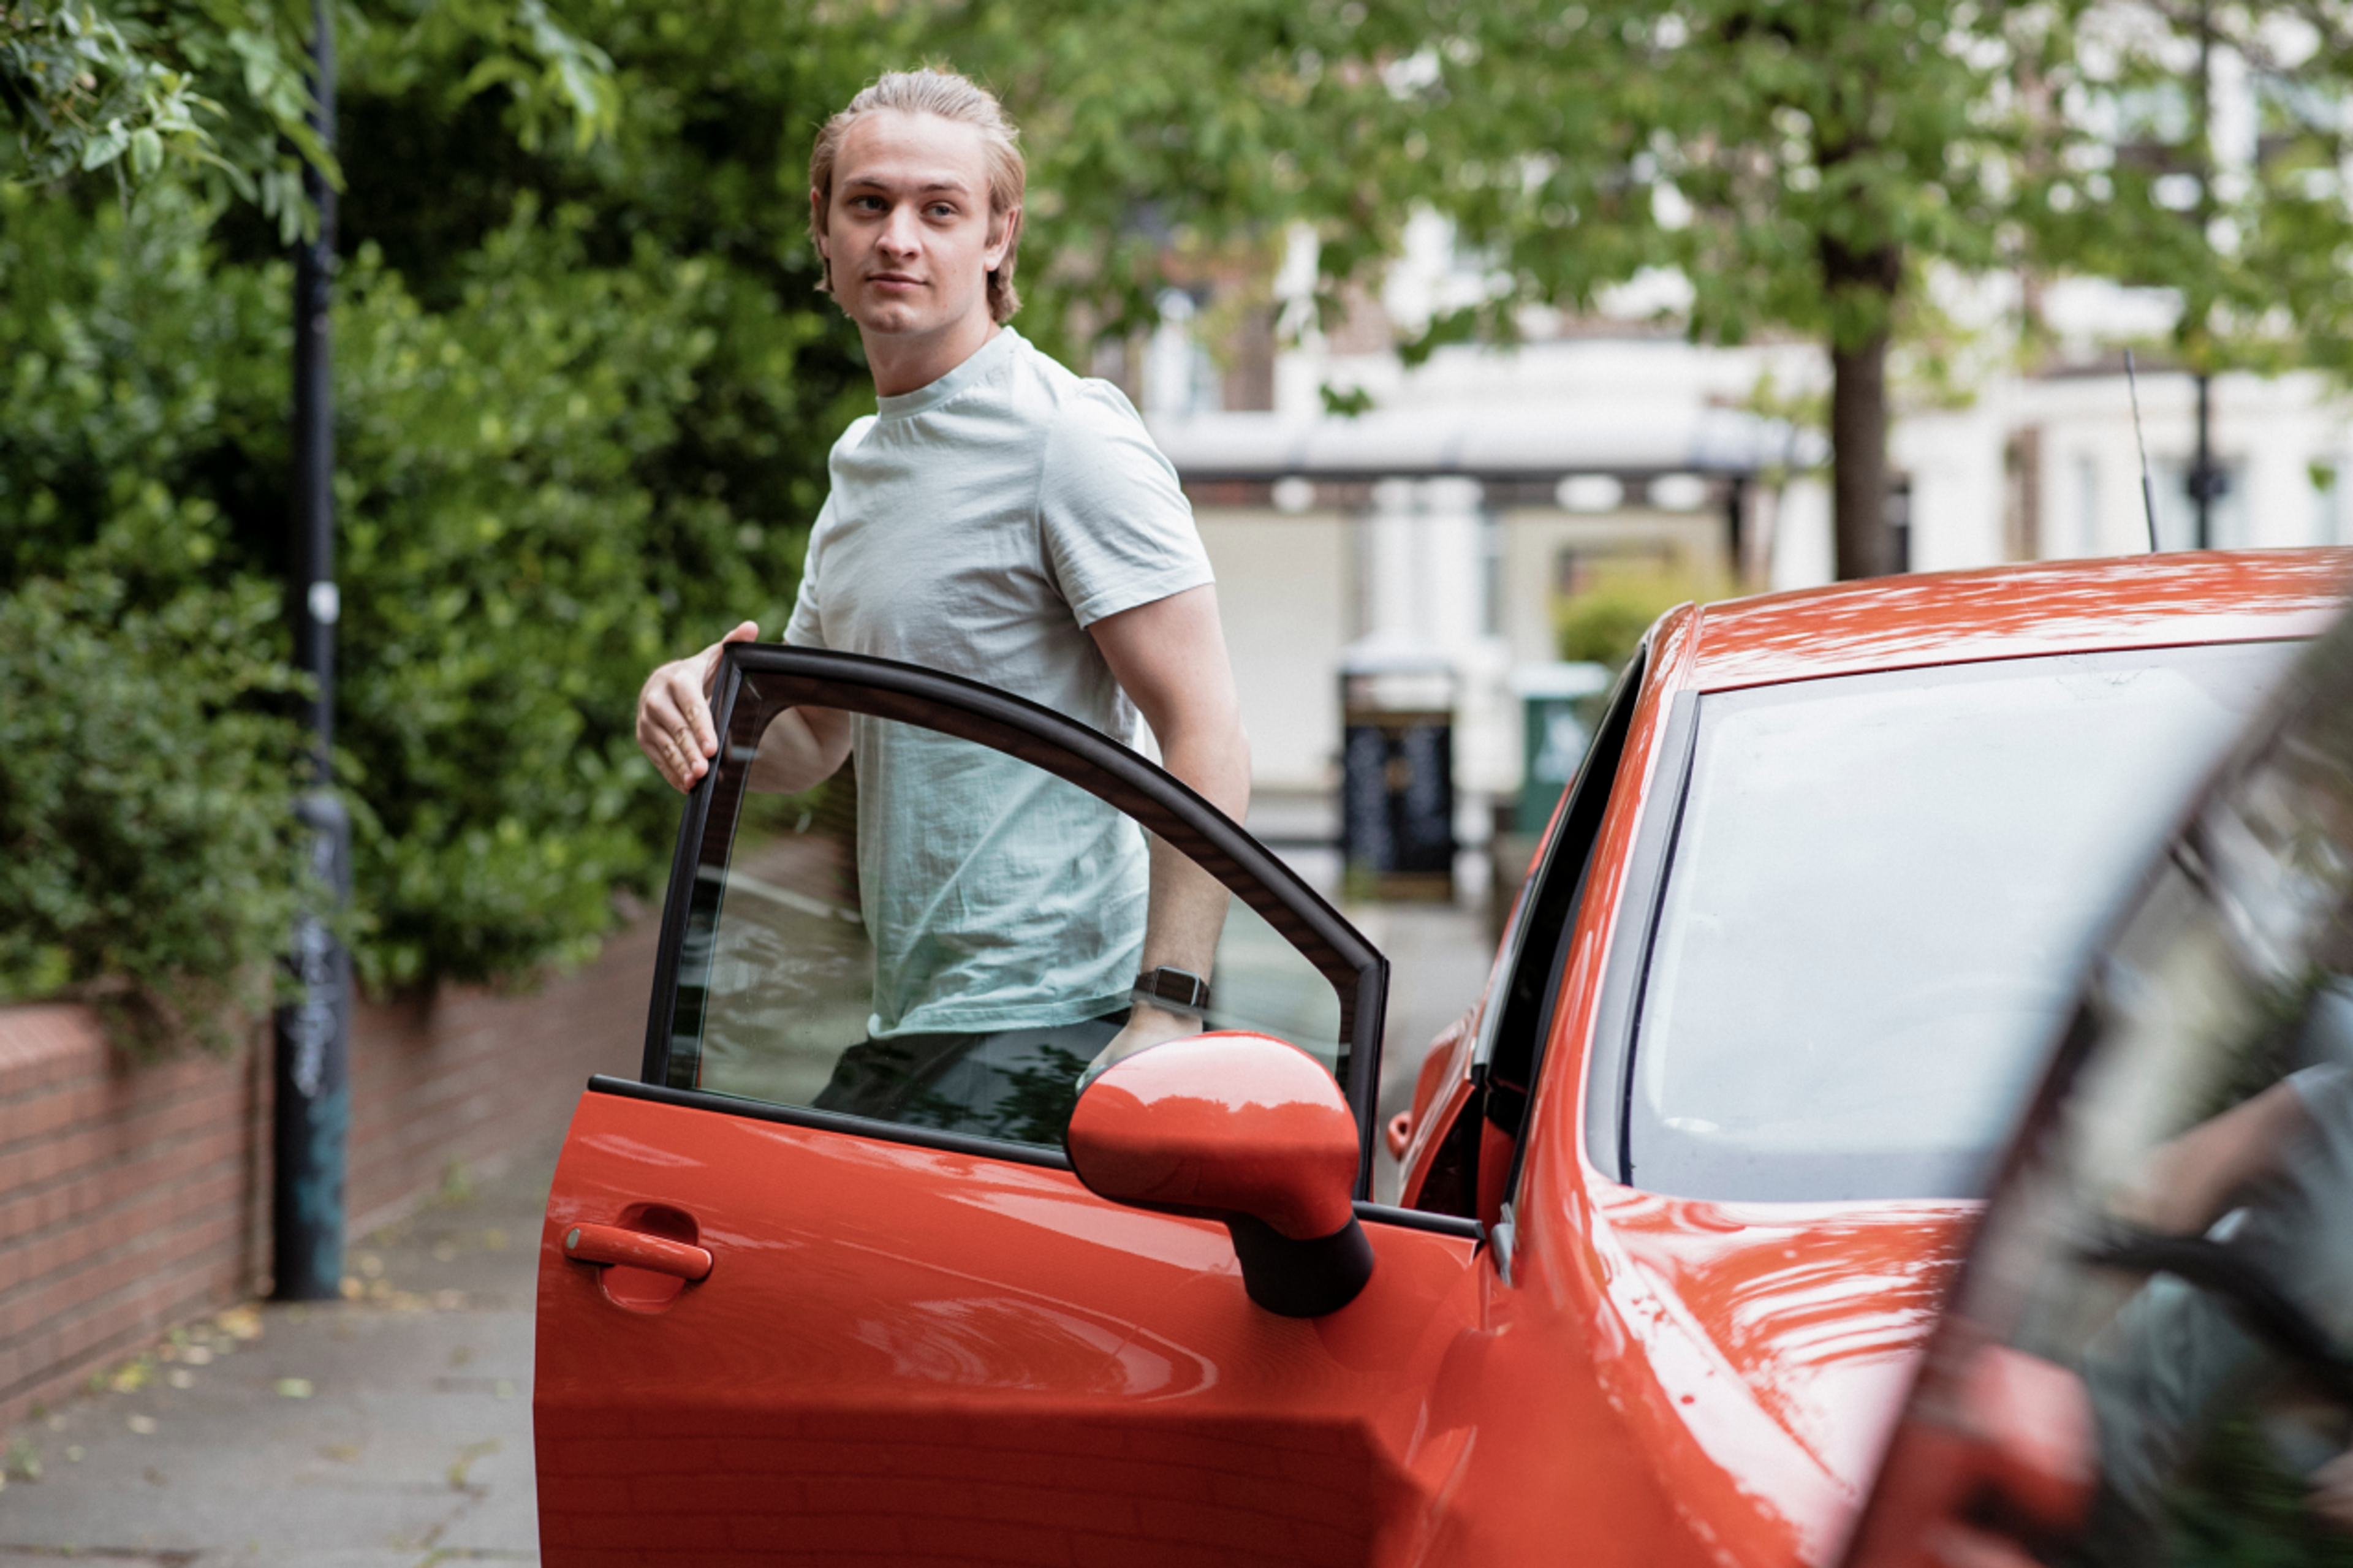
(849,1273)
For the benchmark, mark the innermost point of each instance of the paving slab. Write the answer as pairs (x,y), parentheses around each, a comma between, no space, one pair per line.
(389,1431)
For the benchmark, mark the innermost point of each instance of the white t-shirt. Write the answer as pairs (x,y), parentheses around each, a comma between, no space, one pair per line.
(979,526)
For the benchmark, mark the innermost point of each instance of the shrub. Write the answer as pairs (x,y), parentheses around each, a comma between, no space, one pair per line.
(148,853)
(1605,623)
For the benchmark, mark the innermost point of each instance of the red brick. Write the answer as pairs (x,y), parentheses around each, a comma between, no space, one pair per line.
(132,1196)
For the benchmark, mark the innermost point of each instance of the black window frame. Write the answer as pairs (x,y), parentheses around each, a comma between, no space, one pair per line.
(1080,756)
(1515,1022)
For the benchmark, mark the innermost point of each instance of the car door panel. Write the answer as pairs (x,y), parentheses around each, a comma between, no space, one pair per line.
(902,1351)
(914,1340)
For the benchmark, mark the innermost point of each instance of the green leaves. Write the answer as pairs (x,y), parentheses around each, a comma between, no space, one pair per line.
(219,92)
(497,617)
(147,855)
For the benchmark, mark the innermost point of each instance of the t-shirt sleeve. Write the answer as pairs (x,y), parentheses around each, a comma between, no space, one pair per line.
(1118,531)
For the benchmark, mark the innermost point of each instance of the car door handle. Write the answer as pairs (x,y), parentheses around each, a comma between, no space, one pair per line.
(609,1244)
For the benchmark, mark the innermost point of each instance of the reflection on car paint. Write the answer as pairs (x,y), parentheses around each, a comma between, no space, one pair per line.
(920,1352)
(1133,1374)
(2159,601)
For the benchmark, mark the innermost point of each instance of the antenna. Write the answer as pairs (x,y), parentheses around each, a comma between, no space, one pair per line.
(2147,491)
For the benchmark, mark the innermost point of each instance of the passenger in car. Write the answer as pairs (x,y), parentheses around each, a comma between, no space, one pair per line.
(999,517)
(2265,1184)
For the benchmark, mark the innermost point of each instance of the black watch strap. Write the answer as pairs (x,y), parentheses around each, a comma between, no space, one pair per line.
(1178,990)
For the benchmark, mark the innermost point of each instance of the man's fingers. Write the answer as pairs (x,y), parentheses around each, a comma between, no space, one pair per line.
(743,631)
(661,748)
(690,720)
(674,728)
(668,728)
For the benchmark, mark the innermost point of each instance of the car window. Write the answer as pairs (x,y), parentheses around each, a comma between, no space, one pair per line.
(941,934)
(2168,1265)
(1878,891)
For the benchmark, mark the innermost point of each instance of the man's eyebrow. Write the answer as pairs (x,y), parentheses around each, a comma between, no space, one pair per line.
(880,181)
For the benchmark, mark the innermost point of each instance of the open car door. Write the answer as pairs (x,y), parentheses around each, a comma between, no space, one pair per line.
(2148,1357)
(821,1281)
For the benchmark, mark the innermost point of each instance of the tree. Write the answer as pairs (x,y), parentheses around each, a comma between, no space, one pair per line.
(1800,162)
(2207,147)
(219,89)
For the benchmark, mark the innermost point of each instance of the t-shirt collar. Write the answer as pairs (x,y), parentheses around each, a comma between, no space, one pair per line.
(965,375)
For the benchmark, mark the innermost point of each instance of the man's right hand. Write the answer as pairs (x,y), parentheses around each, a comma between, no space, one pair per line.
(674,725)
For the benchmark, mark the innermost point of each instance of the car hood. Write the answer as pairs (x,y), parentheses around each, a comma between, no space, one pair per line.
(1763,1351)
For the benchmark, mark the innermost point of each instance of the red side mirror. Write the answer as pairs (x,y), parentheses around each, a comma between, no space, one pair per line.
(1247,1130)
(2009,1453)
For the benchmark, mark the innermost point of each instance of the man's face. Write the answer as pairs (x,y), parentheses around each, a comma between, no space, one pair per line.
(908,230)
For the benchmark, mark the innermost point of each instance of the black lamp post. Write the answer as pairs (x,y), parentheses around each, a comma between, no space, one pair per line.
(312,1071)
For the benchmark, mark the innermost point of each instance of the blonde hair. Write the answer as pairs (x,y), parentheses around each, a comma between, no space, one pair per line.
(951,97)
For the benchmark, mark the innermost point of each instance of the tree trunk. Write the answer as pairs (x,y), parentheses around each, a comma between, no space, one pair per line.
(1859,410)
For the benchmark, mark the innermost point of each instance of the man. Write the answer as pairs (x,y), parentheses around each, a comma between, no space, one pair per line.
(998,517)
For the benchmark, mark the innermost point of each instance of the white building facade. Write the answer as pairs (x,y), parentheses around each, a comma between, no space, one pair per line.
(1452,517)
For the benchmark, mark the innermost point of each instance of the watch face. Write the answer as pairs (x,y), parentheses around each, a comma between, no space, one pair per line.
(1181,987)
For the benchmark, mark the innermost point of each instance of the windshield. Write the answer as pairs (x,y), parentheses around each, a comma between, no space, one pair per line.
(1878,893)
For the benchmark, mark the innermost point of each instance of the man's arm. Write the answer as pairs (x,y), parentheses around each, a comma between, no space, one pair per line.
(1170,658)
(2187,1183)
(674,728)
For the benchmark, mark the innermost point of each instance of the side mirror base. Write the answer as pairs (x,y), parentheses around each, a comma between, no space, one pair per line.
(1300,1279)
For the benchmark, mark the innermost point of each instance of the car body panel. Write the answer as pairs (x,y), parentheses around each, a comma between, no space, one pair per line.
(995,1365)
(904,1351)
(1793,1330)
(2017,612)
(2145,1360)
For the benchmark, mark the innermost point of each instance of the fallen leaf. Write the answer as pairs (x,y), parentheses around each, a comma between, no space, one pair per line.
(502,1389)
(294,1388)
(156,1478)
(197,1356)
(240,1323)
(143,1425)
(342,1453)
(132,1375)
(465,1460)
(180,1377)
(73,1453)
(352,1288)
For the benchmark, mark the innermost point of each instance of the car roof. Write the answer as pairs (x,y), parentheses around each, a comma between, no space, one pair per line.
(2015,612)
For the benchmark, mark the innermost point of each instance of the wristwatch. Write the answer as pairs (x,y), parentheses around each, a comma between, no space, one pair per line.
(1178,990)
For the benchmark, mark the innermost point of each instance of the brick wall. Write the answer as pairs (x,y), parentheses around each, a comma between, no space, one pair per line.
(132,1197)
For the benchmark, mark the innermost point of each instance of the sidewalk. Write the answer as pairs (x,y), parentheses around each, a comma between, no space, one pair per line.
(391,1432)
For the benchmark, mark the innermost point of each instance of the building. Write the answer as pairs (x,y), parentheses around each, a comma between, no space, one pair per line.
(1483,489)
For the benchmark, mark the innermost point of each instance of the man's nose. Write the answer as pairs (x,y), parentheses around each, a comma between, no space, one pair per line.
(902,232)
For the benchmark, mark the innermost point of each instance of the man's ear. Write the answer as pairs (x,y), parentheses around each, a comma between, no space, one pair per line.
(1000,243)
(817,220)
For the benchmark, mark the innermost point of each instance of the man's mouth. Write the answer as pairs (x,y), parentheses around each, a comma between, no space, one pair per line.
(893,281)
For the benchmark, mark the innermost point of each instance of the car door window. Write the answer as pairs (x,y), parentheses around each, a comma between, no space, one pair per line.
(2150,1358)
(942,932)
